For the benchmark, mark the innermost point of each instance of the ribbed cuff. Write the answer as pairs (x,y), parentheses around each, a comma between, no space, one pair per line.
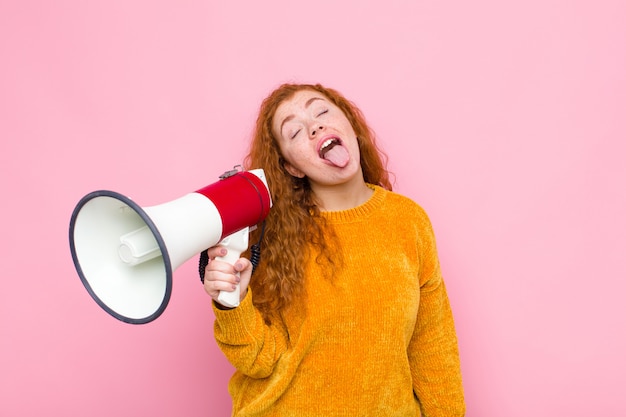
(236,323)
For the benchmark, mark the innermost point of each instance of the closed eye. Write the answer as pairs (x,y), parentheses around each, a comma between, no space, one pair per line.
(293,136)
(322,113)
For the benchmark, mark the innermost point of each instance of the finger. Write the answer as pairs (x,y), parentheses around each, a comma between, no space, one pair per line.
(216,251)
(223,272)
(219,269)
(217,286)
(214,286)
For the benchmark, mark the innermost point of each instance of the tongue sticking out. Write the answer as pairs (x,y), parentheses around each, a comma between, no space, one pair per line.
(337,155)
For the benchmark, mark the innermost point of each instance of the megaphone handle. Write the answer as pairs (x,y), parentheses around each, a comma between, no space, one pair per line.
(236,244)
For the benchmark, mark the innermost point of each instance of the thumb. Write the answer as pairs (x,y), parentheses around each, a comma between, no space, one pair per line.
(244,267)
(241,264)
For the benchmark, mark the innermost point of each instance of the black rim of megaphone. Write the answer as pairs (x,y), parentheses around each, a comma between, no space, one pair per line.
(166,259)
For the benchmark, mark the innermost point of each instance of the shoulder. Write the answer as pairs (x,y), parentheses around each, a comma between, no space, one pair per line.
(405,207)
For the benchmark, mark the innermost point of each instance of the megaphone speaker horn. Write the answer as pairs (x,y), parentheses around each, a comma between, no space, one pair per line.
(125,255)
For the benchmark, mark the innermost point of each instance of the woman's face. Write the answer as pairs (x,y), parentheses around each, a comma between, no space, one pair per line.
(316,139)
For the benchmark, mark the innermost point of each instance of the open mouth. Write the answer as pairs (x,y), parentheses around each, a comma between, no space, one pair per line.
(327,146)
(333,151)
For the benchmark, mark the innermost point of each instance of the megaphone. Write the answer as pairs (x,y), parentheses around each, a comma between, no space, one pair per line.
(125,254)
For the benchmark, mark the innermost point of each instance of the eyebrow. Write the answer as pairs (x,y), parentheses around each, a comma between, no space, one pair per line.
(306,105)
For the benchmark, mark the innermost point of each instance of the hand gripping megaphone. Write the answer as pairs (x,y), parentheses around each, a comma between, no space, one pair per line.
(125,254)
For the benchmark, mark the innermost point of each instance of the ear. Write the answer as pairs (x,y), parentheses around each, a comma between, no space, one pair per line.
(295,172)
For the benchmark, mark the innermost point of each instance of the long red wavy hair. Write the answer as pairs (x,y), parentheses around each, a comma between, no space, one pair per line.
(294,222)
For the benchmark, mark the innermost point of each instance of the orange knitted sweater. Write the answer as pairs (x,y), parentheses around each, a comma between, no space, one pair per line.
(376,339)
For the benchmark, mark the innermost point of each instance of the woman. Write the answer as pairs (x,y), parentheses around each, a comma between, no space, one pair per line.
(347,313)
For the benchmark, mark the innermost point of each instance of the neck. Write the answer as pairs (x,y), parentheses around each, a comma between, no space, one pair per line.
(342,196)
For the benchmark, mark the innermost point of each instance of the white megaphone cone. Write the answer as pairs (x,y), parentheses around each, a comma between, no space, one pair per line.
(125,254)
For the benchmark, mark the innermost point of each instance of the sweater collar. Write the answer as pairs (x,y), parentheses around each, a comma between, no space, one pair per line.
(358,212)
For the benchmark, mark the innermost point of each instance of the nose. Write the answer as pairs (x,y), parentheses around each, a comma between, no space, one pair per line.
(317,129)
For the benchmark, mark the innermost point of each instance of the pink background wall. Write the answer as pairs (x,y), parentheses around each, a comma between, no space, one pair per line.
(505,120)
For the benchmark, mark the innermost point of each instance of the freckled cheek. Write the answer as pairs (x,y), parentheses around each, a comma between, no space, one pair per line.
(294,157)
(284,151)
(300,155)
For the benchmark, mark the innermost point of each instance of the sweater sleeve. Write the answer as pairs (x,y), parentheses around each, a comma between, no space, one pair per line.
(433,350)
(251,346)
